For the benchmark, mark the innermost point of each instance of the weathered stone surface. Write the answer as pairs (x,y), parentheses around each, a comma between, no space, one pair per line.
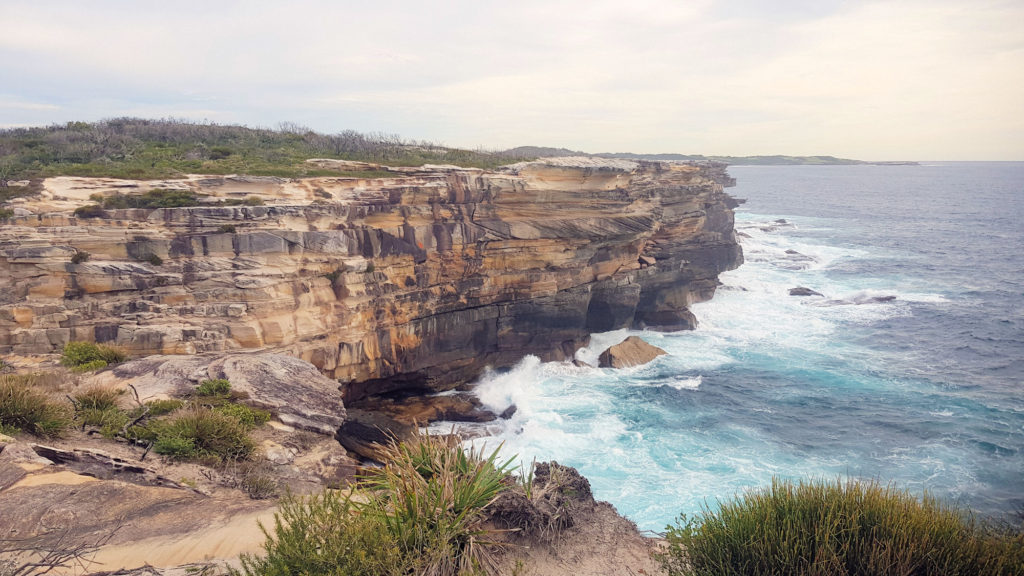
(294,390)
(366,433)
(413,282)
(422,410)
(803,291)
(632,351)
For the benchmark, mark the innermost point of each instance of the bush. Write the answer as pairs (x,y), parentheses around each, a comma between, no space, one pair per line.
(79,256)
(423,513)
(226,229)
(216,387)
(246,415)
(24,407)
(81,353)
(90,211)
(431,496)
(325,535)
(163,407)
(90,366)
(5,213)
(157,198)
(154,260)
(198,432)
(825,528)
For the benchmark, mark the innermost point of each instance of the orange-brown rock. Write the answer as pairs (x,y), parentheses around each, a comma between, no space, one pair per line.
(415,281)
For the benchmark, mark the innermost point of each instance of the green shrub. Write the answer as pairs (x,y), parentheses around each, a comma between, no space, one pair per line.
(220,152)
(423,513)
(226,229)
(216,387)
(324,535)
(154,260)
(110,421)
(246,415)
(81,353)
(79,256)
(25,407)
(177,447)
(209,433)
(157,198)
(90,366)
(163,407)
(826,528)
(90,211)
(370,268)
(5,213)
(431,497)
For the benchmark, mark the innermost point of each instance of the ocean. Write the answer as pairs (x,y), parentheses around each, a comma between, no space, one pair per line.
(908,369)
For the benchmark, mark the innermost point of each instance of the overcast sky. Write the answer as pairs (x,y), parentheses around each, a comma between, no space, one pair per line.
(915,80)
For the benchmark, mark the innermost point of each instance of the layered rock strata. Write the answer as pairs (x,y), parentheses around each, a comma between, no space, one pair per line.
(411,282)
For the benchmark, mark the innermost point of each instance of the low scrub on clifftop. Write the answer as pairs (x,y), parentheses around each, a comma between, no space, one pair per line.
(852,528)
(423,513)
(136,148)
(86,356)
(27,406)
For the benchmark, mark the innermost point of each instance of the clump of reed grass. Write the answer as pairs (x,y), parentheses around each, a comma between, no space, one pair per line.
(26,406)
(422,513)
(847,528)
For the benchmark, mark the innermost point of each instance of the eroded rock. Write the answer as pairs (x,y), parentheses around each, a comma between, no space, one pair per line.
(803,291)
(295,391)
(632,351)
(367,433)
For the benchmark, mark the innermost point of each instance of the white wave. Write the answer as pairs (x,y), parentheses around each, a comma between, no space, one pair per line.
(686,383)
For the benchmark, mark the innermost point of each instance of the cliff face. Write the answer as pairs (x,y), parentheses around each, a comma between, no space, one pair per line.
(416,281)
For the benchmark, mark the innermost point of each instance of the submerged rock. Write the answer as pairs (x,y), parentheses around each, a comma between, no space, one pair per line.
(632,351)
(803,291)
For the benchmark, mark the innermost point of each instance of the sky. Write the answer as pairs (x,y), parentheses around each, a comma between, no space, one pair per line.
(891,80)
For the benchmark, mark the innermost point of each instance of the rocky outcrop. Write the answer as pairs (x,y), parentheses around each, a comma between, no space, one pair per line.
(803,291)
(412,282)
(293,390)
(632,351)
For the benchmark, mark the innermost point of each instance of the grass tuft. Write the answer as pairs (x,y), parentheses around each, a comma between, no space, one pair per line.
(422,513)
(216,387)
(26,406)
(850,528)
(200,432)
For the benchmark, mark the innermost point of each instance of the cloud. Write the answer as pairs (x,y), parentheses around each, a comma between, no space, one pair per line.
(901,79)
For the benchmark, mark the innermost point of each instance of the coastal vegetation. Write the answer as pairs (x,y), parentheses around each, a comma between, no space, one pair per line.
(143,149)
(422,513)
(27,404)
(839,528)
(88,356)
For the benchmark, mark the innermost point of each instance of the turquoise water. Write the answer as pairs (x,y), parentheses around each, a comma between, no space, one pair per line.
(924,390)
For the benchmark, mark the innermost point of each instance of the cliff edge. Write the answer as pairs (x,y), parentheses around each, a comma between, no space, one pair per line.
(415,281)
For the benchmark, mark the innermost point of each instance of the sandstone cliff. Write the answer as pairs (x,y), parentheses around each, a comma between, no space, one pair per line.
(415,281)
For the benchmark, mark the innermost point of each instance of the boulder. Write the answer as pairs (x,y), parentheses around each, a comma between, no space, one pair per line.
(422,410)
(368,433)
(632,351)
(802,291)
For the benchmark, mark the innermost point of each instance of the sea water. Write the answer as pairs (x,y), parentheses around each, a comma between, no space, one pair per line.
(923,390)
